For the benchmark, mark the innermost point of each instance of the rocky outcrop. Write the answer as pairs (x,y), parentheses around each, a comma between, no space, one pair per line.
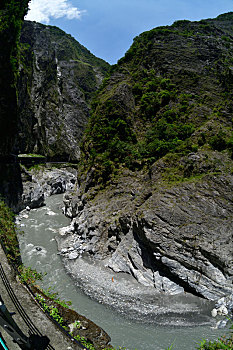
(57,78)
(43,181)
(170,236)
(55,180)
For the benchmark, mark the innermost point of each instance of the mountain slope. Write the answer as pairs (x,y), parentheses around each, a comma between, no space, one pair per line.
(11,19)
(172,82)
(57,78)
(155,196)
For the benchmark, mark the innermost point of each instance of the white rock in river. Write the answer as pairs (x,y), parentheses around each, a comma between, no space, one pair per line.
(223,310)
(73,255)
(63,231)
(50,212)
(214,313)
(24,216)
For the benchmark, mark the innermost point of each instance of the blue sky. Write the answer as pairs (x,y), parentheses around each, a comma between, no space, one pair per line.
(107,27)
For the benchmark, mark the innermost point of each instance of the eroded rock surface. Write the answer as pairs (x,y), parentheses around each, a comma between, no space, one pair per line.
(173,238)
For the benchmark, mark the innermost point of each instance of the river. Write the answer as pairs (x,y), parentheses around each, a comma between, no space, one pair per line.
(39,250)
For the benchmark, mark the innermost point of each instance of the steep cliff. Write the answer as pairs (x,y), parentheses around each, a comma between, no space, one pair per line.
(11,19)
(155,197)
(57,78)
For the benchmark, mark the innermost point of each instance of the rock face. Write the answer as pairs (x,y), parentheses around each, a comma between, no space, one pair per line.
(11,15)
(176,238)
(57,78)
(155,197)
(11,18)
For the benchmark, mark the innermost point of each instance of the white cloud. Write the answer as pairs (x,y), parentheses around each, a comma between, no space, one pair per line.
(44,10)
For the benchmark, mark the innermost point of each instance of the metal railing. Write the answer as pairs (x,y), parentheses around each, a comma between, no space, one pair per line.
(10,326)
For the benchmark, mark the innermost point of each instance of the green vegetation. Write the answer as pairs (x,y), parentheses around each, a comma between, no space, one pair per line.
(225,16)
(145,109)
(12,13)
(8,233)
(28,275)
(111,139)
(69,49)
(11,19)
(50,302)
(54,296)
(56,314)
(223,343)
(53,311)
(221,141)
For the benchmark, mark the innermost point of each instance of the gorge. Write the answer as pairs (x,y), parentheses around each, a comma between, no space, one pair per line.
(151,138)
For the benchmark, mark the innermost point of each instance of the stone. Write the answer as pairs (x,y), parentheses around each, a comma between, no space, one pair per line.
(24,216)
(73,255)
(32,196)
(222,310)
(45,181)
(50,213)
(63,231)
(64,250)
(221,324)
(214,313)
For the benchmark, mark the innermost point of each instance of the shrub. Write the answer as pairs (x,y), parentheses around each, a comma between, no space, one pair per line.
(28,275)
(150,103)
(165,97)
(8,234)
(218,142)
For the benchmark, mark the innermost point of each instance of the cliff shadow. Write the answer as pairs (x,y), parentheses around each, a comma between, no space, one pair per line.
(11,187)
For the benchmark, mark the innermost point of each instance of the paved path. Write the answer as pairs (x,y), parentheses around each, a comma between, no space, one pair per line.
(58,340)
